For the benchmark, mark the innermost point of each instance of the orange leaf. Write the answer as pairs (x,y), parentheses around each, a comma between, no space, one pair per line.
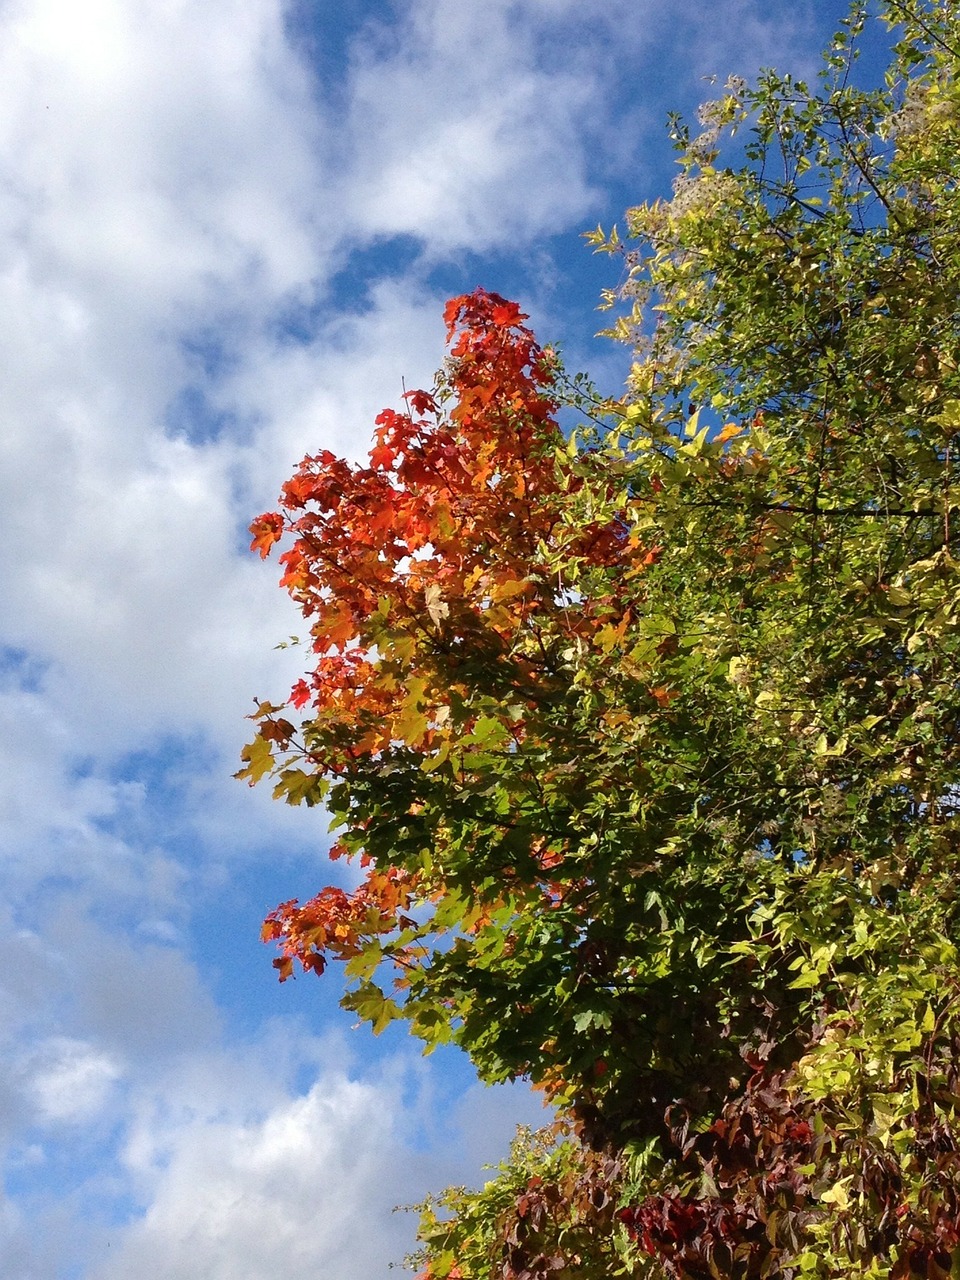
(266,529)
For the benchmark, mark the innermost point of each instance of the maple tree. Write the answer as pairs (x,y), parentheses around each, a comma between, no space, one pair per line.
(646,735)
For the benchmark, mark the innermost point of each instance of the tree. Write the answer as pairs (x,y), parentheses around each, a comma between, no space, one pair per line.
(647,736)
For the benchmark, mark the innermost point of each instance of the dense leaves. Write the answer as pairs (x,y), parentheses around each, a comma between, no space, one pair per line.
(645,736)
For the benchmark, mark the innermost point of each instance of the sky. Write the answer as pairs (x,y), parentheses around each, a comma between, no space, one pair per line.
(227,231)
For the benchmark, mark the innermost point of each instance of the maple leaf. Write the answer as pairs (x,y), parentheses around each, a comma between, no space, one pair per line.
(506,314)
(300,694)
(421,401)
(258,755)
(729,432)
(266,529)
(436,607)
(382,457)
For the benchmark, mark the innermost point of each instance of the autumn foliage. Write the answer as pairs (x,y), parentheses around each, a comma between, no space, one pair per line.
(439,542)
(642,733)
(436,612)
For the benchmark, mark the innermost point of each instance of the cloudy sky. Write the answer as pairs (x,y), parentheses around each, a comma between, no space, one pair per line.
(228,229)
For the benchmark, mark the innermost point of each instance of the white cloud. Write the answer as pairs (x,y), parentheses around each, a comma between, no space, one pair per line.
(248,1197)
(460,137)
(162,150)
(242,1175)
(71,1080)
(163,171)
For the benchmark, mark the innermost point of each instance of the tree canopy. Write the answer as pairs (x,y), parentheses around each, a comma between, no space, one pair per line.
(645,734)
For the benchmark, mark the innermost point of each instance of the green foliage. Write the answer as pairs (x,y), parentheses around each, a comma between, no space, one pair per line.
(656,763)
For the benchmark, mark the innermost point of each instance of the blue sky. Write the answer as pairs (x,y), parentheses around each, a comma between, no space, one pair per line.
(229,227)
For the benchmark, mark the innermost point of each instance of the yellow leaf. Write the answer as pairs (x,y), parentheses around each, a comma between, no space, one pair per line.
(410,726)
(837,1195)
(437,608)
(507,589)
(258,755)
(949,415)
